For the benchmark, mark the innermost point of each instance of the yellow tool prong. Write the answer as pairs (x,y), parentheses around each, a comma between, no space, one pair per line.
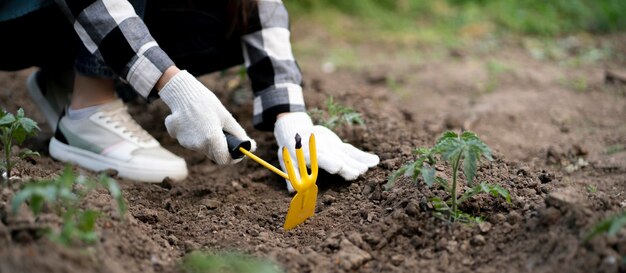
(295,182)
(304,174)
(264,163)
(313,157)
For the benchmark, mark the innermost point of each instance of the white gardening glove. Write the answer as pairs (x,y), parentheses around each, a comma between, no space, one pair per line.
(333,155)
(199,119)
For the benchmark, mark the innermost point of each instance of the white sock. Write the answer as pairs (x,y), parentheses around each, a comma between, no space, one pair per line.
(88,111)
(82,112)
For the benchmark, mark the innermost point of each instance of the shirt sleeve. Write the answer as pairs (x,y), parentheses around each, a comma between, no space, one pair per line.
(111,30)
(275,75)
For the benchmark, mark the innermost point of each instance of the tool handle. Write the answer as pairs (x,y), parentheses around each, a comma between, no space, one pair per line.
(235,143)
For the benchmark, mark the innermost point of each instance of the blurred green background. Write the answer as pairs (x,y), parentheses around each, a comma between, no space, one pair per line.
(451,20)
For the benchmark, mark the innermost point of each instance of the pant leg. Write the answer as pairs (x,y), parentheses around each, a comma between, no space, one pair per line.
(90,65)
(195,34)
(43,38)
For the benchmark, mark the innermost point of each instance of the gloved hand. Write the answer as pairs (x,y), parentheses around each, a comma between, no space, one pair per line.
(198,118)
(333,155)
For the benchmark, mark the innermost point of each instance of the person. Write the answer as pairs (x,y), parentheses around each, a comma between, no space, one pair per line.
(158,47)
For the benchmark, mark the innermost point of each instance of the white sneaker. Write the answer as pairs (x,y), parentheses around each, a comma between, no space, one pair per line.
(51,95)
(111,139)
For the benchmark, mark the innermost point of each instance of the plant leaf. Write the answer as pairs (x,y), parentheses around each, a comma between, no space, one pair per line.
(497,190)
(28,125)
(354,118)
(87,220)
(28,153)
(449,146)
(20,113)
(609,226)
(469,165)
(421,151)
(115,192)
(428,173)
(7,119)
(493,190)
(448,135)
(393,177)
(443,183)
(19,134)
(476,145)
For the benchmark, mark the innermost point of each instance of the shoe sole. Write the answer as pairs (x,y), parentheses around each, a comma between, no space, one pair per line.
(96,162)
(35,93)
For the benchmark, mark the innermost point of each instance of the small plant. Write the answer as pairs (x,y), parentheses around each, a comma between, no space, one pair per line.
(614,149)
(591,188)
(610,226)
(336,115)
(15,128)
(461,152)
(63,195)
(494,70)
(200,262)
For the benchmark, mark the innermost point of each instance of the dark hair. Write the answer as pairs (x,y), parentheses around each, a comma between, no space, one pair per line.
(240,13)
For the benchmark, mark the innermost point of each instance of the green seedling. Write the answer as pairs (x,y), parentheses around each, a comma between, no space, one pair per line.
(15,129)
(64,195)
(461,152)
(591,188)
(614,149)
(200,262)
(494,70)
(578,84)
(609,226)
(336,115)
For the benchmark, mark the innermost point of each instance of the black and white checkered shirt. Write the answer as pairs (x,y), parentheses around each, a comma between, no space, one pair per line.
(111,29)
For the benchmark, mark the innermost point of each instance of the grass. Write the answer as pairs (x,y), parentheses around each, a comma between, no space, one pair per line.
(475,17)
(558,30)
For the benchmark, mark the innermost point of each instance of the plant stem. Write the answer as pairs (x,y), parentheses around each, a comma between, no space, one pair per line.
(455,168)
(7,153)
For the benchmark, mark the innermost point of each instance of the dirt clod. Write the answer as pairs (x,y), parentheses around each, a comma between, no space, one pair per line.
(350,257)
(210,204)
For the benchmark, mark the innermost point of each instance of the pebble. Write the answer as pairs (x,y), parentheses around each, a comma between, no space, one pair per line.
(452,246)
(211,204)
(478,240)
(253,232)
(412,208)
(397,259)
(499,218)
(484,227)
(328,199)
(191,246)
(608,264)
(172,240)
(563,199)
(514,217)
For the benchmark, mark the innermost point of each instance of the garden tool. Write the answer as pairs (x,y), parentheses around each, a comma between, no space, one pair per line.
(303,203)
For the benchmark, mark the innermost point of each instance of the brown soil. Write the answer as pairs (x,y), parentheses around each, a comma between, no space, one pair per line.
(539,127)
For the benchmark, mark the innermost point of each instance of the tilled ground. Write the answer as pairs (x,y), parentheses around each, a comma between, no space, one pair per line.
(550,152)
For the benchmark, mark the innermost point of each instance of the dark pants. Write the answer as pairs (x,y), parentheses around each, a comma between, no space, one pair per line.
(193,33)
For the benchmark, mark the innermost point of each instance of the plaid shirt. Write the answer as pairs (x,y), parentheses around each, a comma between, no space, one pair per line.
(111,30)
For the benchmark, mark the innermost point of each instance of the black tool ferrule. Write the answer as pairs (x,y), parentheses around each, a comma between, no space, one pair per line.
(298,141)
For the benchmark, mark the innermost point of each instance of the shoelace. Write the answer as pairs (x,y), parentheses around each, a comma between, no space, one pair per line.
(120,118)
